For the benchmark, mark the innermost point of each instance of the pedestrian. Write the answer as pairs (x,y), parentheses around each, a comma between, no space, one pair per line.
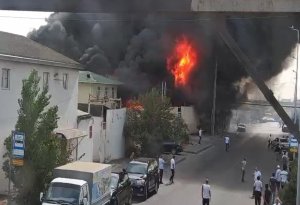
(267,195)
(278,177)
(277,151)
(172,166)
(285,159)
(257,186)
(256,174)
(269,141)
(200,135)
(277,201)
(161,162)
(244,162)
(227,141)
(273,186)
(283,177)
(206,193)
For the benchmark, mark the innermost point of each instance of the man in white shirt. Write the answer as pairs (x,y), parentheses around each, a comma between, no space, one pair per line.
(278,177)
(257,186)
(244,162)
(161,163)
(200,135)
(172,166)
(256,174)
(284,177)
(206,193)
(227,141)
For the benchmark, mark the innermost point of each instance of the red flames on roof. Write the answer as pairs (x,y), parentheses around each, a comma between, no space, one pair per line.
(182,61)
(134,105)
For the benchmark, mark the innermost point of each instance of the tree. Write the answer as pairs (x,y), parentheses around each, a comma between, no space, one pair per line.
(43,150)
(152,122)
(288,194)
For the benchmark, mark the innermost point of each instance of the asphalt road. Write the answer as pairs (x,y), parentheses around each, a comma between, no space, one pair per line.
(223,170)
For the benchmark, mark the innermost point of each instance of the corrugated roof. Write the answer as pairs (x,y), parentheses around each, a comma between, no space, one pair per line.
(16,47)
(90,77)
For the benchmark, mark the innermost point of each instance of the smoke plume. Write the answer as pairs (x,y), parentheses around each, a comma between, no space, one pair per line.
(134,48)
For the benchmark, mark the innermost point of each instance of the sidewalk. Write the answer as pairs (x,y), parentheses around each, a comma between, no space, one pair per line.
(195,148)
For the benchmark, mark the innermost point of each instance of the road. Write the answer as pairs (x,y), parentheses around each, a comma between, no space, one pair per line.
(223,171)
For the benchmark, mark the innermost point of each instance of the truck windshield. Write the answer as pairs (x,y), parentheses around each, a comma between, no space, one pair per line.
(114,181)
(63,192)
(137,168)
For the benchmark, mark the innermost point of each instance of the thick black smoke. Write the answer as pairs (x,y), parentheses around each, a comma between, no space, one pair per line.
(134,48)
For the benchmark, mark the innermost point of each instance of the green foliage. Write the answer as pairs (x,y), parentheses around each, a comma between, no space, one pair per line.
(153,124)
(288,194)
(43,151)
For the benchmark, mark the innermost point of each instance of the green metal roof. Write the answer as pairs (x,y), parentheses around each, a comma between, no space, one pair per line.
(90,77)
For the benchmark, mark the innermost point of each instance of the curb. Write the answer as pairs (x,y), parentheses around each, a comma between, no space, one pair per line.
(198,151)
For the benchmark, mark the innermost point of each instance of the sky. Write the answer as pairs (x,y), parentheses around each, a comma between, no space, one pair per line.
(22,22)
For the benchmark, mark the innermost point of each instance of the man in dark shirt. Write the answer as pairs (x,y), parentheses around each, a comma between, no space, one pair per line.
(267,195)
(273,186)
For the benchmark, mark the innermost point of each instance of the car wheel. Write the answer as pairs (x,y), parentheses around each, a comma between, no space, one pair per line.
(156,188)
(145,193)
(173,151)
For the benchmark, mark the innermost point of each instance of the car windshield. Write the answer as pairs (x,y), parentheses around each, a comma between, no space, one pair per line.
(114,181)
(63,192)
(137,168)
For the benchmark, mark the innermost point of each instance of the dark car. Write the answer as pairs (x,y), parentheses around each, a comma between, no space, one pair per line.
(143,174)
(241,127)
(171,147)
(120,189)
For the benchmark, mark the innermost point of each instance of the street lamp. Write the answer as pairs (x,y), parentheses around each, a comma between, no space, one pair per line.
(295,99)
(296,84)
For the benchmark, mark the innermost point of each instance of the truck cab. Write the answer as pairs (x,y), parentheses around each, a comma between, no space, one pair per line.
(67,191)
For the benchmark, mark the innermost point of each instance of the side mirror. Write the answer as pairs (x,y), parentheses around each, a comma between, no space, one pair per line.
(41,196)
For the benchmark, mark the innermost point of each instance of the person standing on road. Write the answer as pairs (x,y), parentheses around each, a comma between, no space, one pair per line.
(206,193)
(269,141)
(227,141)
(161,163)
(284,177)
(244,162)
(278,178)
(200,135)
(273,186)
(267,195)
(172,166)
(257,191)
(256,174)
(285,159)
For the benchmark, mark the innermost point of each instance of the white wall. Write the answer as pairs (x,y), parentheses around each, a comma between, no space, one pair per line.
(189,116)
(85,145)
(115,120)
(98,140)
(65,99)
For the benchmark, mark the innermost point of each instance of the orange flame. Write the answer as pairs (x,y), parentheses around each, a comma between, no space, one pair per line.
(182,61)
(134,105)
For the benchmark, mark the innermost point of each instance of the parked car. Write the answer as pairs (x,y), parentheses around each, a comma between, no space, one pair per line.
(283,142)
(143,174)
(241,127)
(120,188)
(171,147)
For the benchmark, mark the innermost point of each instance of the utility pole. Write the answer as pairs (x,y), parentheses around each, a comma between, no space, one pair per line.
(213,114)
(295,116)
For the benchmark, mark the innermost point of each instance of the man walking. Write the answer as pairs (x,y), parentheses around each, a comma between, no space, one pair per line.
(284,177)
(206,193)
(200,135)
(269,141)
(227,141)
(161,162)
(267,195)
(257,191)
(273,187)
(172,166)
(285,159)
(278,177)
(244,162)
(256,174)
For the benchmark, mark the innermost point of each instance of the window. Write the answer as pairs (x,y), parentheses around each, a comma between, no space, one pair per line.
(5,78)
(46,80)
(113,92)
(65,81)
(98,92)
(106,91)
(90,131)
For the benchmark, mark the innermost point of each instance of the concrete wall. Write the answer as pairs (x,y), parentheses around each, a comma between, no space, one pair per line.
(189,116)
(114,133)
(66,100)
(246,5)
(85,145)
(99,141)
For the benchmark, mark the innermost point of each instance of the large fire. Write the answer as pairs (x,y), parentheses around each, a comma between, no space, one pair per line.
(182,61)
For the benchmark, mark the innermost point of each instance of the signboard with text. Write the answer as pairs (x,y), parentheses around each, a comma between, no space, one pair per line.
(18,148)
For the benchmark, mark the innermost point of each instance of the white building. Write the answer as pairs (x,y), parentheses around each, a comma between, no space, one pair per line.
(18,57)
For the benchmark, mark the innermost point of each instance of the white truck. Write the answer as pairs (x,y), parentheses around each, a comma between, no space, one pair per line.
(79,183)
